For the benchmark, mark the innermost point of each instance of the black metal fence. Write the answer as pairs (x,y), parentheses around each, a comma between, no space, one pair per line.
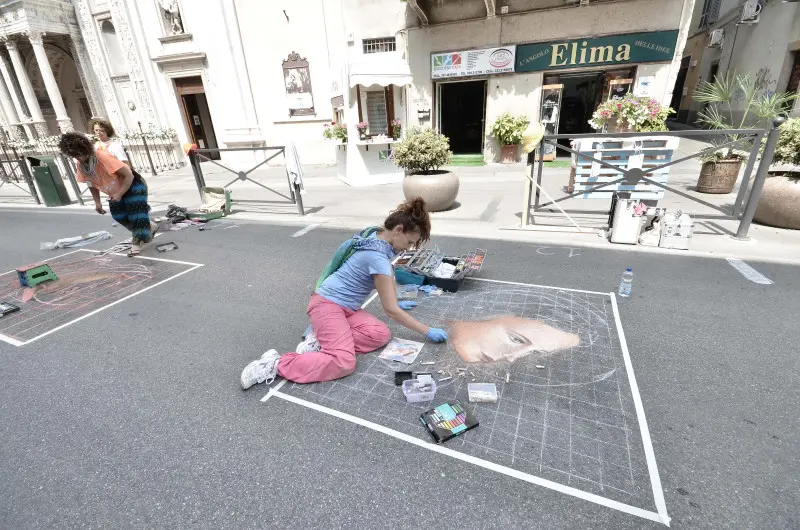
(743,211)
(154,155)
(147,153)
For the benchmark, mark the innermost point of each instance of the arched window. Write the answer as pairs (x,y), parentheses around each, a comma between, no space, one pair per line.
(116,59)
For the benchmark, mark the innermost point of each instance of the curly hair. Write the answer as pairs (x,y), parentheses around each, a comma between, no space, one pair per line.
(413,216)
(105,124)
(75,145)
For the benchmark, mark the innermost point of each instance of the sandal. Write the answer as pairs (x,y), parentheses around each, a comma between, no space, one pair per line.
(135,250)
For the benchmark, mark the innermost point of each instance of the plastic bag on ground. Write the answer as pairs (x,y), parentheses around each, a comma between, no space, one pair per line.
(77,241)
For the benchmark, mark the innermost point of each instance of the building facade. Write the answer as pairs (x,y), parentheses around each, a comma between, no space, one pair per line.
(759,37)
(244,73)
(558,61)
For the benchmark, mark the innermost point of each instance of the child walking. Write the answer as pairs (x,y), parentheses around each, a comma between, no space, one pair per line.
(126,189)
(340,326)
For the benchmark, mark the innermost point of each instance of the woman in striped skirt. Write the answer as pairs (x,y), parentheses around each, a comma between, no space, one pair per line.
(126,189)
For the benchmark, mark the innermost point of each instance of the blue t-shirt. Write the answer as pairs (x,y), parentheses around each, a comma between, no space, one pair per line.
(351,284)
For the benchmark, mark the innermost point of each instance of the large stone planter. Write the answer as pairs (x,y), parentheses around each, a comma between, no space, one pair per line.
(719,177)
(438,190)
(779,204)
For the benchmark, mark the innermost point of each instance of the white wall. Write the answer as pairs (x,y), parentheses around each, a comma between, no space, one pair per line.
(269,37)
(518,94)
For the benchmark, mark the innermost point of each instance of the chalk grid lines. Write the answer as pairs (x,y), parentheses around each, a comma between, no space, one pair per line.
(572,422)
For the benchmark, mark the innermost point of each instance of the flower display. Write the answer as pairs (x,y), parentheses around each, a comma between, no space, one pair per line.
(643,114)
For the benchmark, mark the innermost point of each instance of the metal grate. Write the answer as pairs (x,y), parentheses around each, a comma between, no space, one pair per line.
(384,44)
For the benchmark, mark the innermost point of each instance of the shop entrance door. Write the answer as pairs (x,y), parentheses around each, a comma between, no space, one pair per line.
(581,93)
(462,114)
(196,113)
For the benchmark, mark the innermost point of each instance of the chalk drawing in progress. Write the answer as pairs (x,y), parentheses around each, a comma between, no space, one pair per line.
(86,283)
(567,417)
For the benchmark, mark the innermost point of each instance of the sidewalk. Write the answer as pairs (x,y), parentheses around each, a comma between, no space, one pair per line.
(489,205)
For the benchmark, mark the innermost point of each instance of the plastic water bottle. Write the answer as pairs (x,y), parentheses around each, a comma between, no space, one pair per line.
(626,283)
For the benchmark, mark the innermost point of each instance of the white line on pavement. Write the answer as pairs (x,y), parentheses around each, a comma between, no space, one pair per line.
(306,230)
(749,272)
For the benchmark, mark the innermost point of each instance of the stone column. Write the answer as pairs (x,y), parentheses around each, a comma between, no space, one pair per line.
(87,77)
(27,89)
(10,113)
(50,83)
(17,107)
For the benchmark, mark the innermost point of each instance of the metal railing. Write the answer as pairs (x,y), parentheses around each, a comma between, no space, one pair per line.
(146,155)
(634,175)
(199,155)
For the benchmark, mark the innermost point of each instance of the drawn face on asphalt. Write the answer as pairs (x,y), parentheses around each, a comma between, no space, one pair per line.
(507,338)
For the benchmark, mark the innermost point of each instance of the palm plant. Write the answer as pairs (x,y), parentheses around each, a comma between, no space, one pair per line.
(756,104)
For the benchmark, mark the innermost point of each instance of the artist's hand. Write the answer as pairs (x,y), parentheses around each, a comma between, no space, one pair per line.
(115,197)
(405,305)
(436,335)
(98,207)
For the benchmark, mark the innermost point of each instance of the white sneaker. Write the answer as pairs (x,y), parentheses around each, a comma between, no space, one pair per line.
(261,370)
(309,344)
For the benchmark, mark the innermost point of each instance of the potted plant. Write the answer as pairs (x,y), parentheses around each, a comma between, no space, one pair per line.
(422,153)
(726,97)
(397,129)
(335,131)
(362,127)
(508,131)
(630,114)
(779,204)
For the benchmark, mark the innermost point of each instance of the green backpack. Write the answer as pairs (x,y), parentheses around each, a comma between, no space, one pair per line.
(343,253)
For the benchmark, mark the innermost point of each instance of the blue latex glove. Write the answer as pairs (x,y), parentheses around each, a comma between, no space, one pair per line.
(437,335)
(405,305)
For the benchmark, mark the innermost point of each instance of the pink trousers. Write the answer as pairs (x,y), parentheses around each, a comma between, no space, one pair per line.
(342,333)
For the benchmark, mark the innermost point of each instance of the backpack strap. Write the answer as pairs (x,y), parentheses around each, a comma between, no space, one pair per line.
(342,254)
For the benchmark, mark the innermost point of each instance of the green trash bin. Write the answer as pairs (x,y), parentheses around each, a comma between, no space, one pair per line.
(48,179)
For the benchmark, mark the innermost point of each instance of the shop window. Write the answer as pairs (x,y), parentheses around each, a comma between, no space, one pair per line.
(297,82)
(116,60)
(710,12)
(382,45)
(376,113)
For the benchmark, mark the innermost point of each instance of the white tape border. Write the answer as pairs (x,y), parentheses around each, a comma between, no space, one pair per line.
(609,503)
(194,266)
(655,479)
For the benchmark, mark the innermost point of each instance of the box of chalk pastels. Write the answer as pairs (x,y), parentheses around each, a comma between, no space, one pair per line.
(445,272)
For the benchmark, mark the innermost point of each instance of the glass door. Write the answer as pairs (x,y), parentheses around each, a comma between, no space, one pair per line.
(550,112)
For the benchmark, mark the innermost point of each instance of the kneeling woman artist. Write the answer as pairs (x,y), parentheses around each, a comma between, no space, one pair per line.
(340,326)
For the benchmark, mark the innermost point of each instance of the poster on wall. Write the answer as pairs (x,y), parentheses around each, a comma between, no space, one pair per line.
(643,88)
(297,83)
(473,62)
(298,88)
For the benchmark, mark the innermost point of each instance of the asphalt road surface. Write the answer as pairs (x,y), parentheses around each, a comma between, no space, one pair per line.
(134,417)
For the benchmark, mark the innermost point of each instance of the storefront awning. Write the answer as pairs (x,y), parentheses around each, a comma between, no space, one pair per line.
(384,72)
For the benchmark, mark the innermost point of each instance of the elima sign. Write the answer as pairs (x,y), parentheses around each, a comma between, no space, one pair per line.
(658,46)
